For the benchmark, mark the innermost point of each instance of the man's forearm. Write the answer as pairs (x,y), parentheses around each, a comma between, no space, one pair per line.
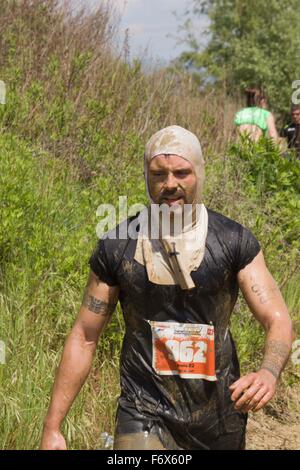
(277,348)
(73,370)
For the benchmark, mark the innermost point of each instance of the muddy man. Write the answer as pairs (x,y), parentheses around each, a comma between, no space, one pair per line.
(177,275)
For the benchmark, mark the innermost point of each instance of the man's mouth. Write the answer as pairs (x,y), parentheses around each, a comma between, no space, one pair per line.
(171,200)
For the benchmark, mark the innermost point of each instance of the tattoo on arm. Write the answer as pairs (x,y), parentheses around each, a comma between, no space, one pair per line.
(276,356)
(264,293)
(97,305)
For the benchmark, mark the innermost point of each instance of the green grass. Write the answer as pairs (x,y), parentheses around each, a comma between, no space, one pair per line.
(47,235)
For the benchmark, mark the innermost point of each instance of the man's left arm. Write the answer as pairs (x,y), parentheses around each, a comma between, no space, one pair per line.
(272,127)
(254,390)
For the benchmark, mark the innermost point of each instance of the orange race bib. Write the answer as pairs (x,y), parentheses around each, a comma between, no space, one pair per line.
(184,349)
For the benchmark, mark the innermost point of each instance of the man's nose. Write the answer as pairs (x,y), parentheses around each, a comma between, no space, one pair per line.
(171,182)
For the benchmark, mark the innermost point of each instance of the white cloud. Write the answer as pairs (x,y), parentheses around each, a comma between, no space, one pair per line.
(151,25)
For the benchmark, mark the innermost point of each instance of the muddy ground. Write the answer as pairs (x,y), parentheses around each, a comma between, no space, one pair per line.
(278,427)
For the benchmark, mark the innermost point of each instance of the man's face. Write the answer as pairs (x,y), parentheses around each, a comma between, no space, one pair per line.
(171,180)
(296,116)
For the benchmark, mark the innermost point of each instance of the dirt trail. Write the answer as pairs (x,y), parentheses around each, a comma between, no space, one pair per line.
(266,433)
(278,427)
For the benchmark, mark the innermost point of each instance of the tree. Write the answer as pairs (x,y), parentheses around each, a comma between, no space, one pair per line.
(250,43)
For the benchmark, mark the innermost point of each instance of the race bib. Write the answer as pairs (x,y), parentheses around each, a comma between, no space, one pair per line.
(184,349)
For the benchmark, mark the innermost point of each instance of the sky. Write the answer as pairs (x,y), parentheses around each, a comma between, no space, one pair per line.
(152,26)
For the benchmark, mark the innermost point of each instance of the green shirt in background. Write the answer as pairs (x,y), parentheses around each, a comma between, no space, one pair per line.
(253,115)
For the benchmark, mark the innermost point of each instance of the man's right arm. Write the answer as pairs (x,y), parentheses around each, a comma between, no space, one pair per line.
(97,307)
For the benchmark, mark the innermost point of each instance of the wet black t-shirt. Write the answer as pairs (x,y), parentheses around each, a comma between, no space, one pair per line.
(196,403)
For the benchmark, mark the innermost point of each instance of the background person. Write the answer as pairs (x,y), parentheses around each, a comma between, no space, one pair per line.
(255,120)
(291,132)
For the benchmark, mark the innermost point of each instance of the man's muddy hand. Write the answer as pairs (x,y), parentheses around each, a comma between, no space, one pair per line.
(53,440)
(253,391)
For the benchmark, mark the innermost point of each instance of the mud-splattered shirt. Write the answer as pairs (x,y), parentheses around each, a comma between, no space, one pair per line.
(197,404)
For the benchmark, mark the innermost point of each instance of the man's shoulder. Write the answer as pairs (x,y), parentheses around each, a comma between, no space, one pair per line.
(217,221)
(110,250)
(237,241)
(121,233)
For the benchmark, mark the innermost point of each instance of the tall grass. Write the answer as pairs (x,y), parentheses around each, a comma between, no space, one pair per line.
(46,237)
(72,134)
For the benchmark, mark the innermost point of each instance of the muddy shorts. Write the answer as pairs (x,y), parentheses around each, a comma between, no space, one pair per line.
(137,432)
